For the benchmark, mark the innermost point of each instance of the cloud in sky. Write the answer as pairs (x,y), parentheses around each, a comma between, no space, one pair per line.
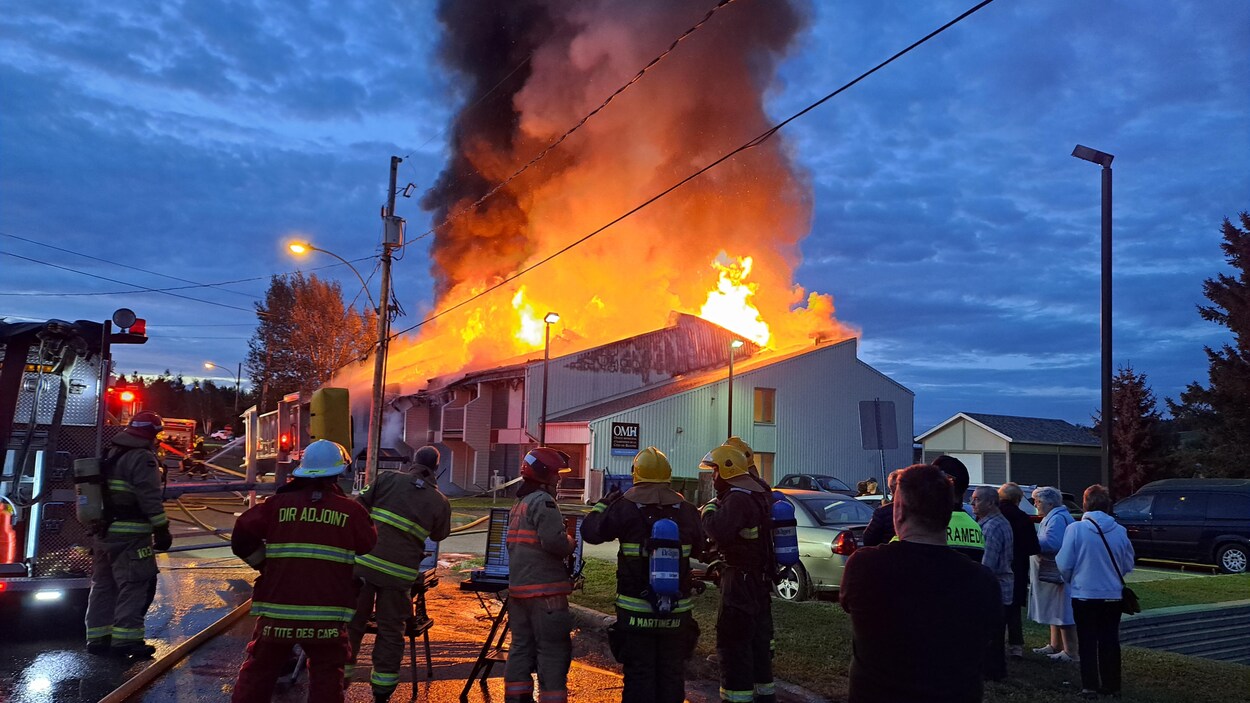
(951,224)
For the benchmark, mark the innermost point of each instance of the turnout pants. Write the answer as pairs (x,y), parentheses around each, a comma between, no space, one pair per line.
(541,642)
(654,663)
(268,655)
(744,638)
(123,585)
(1098,641)
(392,609)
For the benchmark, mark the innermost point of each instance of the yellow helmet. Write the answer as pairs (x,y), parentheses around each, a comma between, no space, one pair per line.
(737,443)
(728,461)
(651,466)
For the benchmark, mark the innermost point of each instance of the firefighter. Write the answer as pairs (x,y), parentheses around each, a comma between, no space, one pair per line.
(653,635)
(123,569)
(303,541)
(753,470)
(407,508)
(738,521)
(539,584)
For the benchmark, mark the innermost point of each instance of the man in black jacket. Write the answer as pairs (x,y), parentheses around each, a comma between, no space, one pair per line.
(880,527)
(1024,545)
(653,635)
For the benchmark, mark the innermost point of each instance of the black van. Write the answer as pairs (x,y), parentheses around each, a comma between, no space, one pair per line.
(1205,520)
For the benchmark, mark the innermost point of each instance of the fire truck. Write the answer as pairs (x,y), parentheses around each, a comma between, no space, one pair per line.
(53,378)
(276,439)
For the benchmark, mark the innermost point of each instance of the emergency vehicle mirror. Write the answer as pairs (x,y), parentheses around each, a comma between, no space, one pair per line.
(124,318)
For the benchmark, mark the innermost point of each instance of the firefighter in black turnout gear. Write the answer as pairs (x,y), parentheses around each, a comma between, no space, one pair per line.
(737,520)
(654,634)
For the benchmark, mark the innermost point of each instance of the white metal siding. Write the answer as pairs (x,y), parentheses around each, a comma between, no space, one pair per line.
(817,413)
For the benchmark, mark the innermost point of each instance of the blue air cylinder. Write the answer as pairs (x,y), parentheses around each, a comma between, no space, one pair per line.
(665,566)
(785,533)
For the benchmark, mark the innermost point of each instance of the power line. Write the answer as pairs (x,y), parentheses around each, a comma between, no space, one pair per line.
(637,77)
(160,290)
(140,289)
(758,140)
(107,261)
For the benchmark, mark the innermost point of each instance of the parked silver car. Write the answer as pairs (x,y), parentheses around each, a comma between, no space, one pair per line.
(830,527)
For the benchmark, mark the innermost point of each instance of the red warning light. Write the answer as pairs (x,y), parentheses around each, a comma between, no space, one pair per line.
(127,396)
(284,442)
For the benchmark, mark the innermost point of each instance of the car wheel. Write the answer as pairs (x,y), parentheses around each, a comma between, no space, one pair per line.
(1231,558)
(793,585)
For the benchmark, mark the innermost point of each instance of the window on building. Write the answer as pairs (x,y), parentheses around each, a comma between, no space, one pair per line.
(764,463)
(766,405)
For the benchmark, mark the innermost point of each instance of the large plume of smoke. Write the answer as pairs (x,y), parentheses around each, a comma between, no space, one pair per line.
(703,100)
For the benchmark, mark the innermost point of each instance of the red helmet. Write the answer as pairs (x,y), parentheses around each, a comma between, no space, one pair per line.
(145,425)
(544,465)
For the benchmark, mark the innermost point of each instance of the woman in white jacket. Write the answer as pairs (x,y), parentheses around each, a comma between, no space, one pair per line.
(1050,603)
(1095,556)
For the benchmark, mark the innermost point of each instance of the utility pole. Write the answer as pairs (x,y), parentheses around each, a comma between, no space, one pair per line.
(391,238)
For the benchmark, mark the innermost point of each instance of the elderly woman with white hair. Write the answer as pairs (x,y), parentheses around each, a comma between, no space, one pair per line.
(1050,602)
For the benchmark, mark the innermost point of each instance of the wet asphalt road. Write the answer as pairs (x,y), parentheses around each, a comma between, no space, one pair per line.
(42,659)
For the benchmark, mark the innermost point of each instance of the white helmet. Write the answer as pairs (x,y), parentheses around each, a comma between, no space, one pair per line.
(321,459)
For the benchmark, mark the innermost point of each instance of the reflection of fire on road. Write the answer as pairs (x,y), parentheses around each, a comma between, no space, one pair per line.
(723,246)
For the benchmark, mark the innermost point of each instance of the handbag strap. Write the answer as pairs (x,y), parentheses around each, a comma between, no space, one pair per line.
(1114,563)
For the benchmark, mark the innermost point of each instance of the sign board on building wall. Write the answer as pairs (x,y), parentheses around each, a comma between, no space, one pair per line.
(624,438)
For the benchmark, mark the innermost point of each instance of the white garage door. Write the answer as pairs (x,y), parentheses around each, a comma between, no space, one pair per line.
(973,462)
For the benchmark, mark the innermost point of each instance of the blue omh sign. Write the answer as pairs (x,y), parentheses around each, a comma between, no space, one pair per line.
(624,438)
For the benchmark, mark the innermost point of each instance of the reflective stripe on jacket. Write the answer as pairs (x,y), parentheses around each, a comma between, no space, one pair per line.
(311,536)
(538,546)
(631,524)
(133,488)
(406,509)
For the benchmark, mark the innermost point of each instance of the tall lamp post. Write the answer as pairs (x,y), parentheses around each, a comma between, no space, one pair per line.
(238,380)
(733,346)
(1104,159)
(548,320)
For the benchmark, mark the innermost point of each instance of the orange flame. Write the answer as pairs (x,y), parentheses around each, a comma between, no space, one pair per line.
(729,304)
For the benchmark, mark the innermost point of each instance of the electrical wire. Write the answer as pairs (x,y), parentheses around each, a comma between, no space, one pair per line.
(136,268)
(139,288)
(637,77)
(756,141)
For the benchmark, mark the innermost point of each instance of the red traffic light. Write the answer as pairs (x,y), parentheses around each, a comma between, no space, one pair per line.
(284,442)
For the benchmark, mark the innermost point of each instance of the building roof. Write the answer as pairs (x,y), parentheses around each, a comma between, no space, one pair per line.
(1026,430)
(685,383)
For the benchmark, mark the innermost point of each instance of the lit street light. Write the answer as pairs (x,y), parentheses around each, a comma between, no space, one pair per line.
(548,320)
(733,346)
(1104,159)
(300,248)
(238,380)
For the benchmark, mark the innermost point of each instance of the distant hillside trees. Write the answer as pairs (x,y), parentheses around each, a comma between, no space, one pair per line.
(305,333)
(210,405)
(1219,412)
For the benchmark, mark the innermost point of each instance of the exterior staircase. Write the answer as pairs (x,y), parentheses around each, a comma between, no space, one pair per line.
(1220,631)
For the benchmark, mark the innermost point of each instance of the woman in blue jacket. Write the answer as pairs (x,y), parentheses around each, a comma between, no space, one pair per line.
(1050,602)
(1095,556)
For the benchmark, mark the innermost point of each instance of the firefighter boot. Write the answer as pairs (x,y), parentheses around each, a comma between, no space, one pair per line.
(100,646)
(134,649)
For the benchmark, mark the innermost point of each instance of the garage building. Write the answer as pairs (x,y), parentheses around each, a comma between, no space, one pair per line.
(1027,450)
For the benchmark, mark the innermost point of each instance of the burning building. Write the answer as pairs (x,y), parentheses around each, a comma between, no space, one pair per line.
(667,388)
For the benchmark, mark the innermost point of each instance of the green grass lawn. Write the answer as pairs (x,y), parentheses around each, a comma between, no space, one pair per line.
(814,647)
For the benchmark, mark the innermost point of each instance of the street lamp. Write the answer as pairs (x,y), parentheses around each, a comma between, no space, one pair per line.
(300,248)
(548,320)
(238,380)
(734,345)
(1104,159)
